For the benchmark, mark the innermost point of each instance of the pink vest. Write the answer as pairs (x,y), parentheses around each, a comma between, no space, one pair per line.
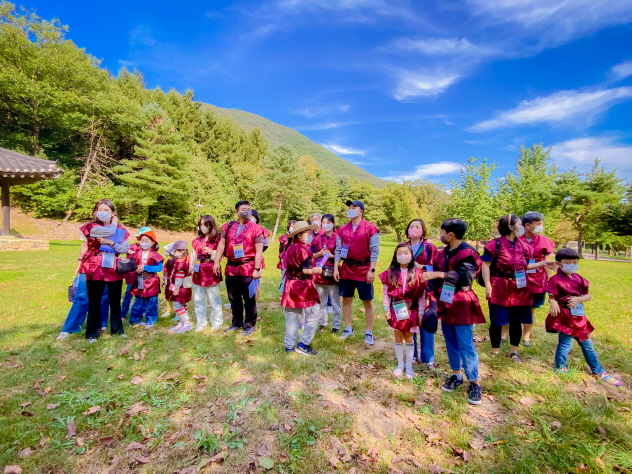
(319,243)
(509,260)
(299,290)
(152,284)
(427,249)
(357,263)
(170,269)
(243,266)
(91,261)
(541,246)
(205,276)
(560,287)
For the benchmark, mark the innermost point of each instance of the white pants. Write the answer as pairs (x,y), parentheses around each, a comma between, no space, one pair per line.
(329,292)
(200,295)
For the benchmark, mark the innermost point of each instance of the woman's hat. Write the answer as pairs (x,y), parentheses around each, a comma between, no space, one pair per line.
(151,234)
(302,226)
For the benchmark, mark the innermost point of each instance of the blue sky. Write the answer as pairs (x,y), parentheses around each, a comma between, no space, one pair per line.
(404,89)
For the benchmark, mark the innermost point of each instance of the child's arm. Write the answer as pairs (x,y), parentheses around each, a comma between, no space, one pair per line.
(575,300)
(153,268)
(386,300)
(554,307)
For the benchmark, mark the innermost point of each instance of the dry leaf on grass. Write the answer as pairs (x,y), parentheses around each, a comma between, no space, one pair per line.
(434,469)
(123,351)
(219,457)
(136,380)
(142,459)
(136,356)
(25,404)
(110,357)
(92,410)
(392,470)
(52,406)
(27,413)
(15,469)
(527,401)
(333,460)
(263,450)
(477,444)
(120,376)
(133,446)
(71,429)
(44,441)
(601,431)
(556,425)
(25,453)
(79,441)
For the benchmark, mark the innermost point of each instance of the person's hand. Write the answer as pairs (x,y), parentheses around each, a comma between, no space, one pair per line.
(550,264)
(217,268)
(206,251)
(430,275)
(105,241)
(573,301)
(488,291)
(256,274)
(336,274)
(176,291)
(370,277)
(140,269)
(555,308)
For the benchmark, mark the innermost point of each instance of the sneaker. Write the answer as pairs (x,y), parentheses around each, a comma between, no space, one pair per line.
(62,336)
(176,328)
(410,374)
(123,336)
(248,332)
(142,323)
(232,328)
(346,333)
(305,349)
(611,380)
(149,326)
(92,340)
(290,349)
(562,370)
(526,343)
(321,327)
(398,371)
(334,330)
(176,319)
(184,328)
(430,366)
(515,357)
(368,338)
(103,329)
(217,328)
(502,341)
(452,384)
(474,394)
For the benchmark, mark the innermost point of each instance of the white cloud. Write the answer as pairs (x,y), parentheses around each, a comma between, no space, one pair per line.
(621,70)
(412,84)
(343,150)
(443,46)
(322,110)
(563,106)
(431,169)
(581,152)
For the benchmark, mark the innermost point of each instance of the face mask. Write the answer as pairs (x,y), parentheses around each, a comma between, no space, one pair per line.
(245,215)
(443,240)
(290,230)
(145,245)
(204,229)
(316,223)
(328,227)
(253,220)
(570,267)
(538,229)
(307,239)
(104,216)
(351,214)
(519,231)
(404,259)
(414,233)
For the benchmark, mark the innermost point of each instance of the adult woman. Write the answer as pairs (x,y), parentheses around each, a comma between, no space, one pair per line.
(324,244)
(104,239)
(424,253)
(505,262)
(205,281)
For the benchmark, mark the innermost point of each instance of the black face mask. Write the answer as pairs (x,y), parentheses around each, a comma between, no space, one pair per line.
(443,240)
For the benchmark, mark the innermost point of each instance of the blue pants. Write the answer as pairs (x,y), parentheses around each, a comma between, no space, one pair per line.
(426,346)
(79,309)
(461,350)
(127,301)
(565,342)
(148,307)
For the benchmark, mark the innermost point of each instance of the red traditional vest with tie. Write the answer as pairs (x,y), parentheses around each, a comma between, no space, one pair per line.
(560,287)
(91,263)
(320,242)
(130,277)
(240,249)
(541,246)
(426,253)
(151,281)
(299,290)
(358,260)
(177,268)
(506,262)
(205,276)
(411,293)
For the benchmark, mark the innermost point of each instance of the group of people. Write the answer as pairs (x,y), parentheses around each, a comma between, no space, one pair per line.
(323,266)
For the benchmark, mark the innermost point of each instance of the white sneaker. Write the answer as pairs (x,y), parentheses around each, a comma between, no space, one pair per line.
(217,328)
(346,333)
(200,328)
(176,328)
(92,340)
(62,336)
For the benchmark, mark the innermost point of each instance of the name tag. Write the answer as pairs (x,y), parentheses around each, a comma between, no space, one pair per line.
(429,268)
(401,311)
(447,293)
(238,251)
(521,279)
(196,266)
(578,310)
(530,262)
(107,260)
(141,282)
(344,251)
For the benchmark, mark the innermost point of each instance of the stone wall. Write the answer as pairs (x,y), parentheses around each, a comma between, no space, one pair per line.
(10,244)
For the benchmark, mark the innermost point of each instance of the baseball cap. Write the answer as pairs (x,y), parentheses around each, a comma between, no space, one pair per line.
(355,203)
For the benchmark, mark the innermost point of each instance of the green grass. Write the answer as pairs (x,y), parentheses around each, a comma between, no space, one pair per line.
(204,394)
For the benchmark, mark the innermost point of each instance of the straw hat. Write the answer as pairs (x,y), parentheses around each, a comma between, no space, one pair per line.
(302,226)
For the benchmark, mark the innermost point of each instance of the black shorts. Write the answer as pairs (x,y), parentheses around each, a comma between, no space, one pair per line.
(538,300)
(346,289)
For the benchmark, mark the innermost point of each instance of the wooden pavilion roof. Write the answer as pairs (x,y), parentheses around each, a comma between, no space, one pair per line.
(24,169)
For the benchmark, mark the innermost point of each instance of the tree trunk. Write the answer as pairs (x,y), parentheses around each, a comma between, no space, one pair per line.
(580,236)
(596,251)
(278,218)
(477,245)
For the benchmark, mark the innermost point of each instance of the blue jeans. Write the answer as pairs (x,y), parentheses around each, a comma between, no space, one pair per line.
(127,301)
(426,346)
(461,350)
(145,306)
(565,342)
(79,309)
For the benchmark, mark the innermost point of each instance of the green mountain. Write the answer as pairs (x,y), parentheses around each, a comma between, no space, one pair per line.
(277,135)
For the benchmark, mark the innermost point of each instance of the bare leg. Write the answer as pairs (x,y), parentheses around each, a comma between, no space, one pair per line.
(369,312)
(347,307)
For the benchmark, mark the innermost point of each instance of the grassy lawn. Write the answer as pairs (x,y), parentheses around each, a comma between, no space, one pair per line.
(221,403)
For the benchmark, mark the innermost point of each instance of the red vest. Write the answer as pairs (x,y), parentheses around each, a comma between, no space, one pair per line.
(358,243)
(91,261)
(413,292)
(320,242)
(541,246)
(172,267)
(465,307)
(205,276)
(299,290)
(152,284)
(561,286)
(427,249)
(243,266)
(510,259)
(282,246)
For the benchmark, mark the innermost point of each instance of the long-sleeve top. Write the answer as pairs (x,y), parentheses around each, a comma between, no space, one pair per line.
(374,247)
(463,276)
(386,299)
(103,232)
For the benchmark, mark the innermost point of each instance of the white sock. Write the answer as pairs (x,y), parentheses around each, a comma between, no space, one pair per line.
(410,350)
(399,352)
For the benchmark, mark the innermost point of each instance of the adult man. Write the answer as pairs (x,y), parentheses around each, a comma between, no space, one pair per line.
(242,243)
(357,246)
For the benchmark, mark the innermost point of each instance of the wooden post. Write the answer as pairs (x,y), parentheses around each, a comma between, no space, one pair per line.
(6,207)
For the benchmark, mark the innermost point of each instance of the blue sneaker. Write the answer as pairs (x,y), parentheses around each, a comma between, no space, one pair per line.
(347,333)
(368,338)
(290,349)
(305,349)
(248,331)
(232,328)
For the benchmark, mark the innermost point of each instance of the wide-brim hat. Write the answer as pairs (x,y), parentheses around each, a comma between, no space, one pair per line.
(180,245)
(301,226)
(151,234)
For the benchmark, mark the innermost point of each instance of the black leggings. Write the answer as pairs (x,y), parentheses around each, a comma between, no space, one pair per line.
(95,293)
(515,330)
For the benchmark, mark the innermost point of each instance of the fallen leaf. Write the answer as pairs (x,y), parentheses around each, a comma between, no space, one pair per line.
(235,365)
(136,356)
(353,470)
(467,456)
(79,441)
(333,461)
(219,457)
(266,463)
(71,428)
(392,470)
(203,462)
(15,469)
(25,404)
(136,380)
(556,425)
(477,444)
(287,427)
(284,457)
(417,463)
(123,351)
(44,441)
(263,450)
(61,377)
(143,459)
(107,441)
(27,413)
(48,389)
(527,401)
(274,366)
(92,410)
(133,446)
(52,406)
(120,376)
(600,464)
(110,357)
(433,437)
(25,453)
(143,353)
(601,431)
(434,469)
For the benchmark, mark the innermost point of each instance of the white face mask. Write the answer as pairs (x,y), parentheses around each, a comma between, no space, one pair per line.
(351,214)
(404,259)
(253,219)
(204,229)
(290,230)
(307,239)
(104,216)
(316,223)
(178,254)
(519,230)
(327,227)
(145,245)
(538,229)
(570,267)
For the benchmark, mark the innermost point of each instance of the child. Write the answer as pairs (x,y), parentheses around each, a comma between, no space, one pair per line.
(403,300)
(130,277)
(567,292)
(205,280)
(169,311)
(176,269)
(146,285)
(299,292)
(457,264)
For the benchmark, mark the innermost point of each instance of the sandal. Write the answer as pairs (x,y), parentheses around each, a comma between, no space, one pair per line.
(515,357)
